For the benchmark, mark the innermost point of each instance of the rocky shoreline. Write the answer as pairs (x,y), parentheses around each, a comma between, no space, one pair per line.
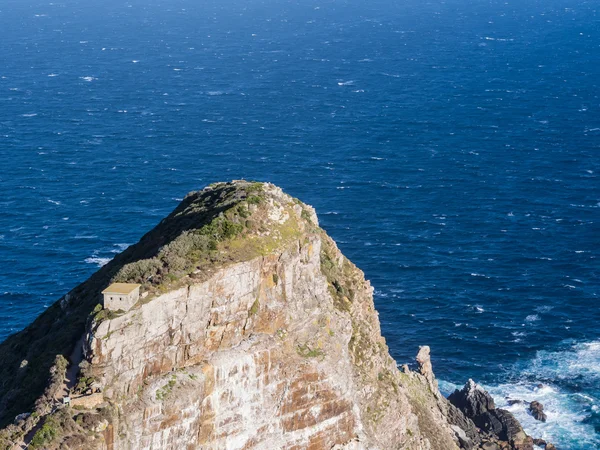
(475,420)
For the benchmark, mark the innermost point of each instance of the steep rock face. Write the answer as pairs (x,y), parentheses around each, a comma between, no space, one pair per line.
(253,331)
(268,360)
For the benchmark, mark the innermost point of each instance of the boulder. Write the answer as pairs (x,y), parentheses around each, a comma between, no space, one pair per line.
(537,411)
(462,438)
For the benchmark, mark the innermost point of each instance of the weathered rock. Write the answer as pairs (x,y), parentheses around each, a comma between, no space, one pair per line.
(550,447)
(425,367)
(253,332)
(476,404)
(472,400)
(490,446)
(537,411)
(457,419)
(268,340)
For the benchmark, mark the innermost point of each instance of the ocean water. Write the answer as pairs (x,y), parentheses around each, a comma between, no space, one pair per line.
(451,148)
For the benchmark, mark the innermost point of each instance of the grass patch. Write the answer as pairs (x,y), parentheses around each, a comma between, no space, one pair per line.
(306,351)
(254,308)
(165,391)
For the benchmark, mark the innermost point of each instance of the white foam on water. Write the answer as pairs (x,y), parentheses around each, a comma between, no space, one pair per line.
(97,260)
(545,379)
(88,79)
(119,248)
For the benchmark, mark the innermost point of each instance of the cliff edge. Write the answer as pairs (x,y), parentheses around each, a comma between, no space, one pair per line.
(252,331)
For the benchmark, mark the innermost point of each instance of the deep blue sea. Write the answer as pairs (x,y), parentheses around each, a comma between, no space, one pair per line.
(452,148)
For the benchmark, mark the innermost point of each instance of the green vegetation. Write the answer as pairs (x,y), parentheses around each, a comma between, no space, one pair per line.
(55,428)
(254,200)
(339,275)
(306,351)
(306,215)
(164,391)
(254,308)
(193,249)
(107,314)
(46,434)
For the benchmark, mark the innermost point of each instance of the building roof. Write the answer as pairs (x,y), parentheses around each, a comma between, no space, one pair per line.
(121,288)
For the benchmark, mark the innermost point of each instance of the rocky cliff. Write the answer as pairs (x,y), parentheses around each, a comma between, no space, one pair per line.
(253,331)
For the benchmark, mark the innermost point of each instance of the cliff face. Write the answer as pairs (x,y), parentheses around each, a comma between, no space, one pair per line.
(253,331)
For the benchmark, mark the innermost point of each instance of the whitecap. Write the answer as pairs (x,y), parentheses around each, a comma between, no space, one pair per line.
(119,248)
(51,75)
(532,318)
(568,410)
(29,115)
(98,261)
(346,83)
(55,202)
(88,79)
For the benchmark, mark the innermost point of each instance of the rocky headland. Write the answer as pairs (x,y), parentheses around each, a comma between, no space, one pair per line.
(252,331)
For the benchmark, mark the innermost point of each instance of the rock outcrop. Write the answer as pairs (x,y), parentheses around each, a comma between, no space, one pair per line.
(253,332)
(498,426)
(537,411)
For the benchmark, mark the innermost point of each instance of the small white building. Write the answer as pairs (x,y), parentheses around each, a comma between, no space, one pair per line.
(121,296)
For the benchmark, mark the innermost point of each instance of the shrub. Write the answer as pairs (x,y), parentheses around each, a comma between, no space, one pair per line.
(46,434)
(139,271)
